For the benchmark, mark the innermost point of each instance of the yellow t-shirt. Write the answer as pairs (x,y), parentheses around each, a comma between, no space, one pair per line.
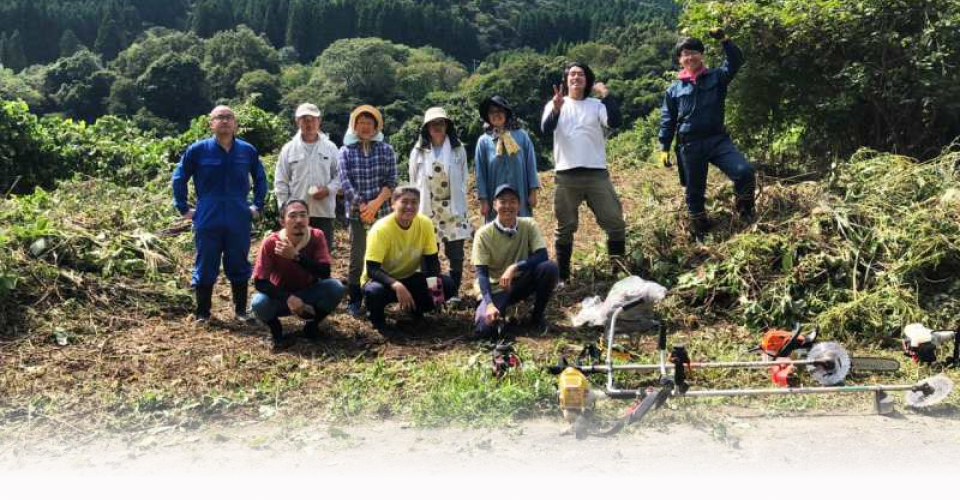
(399,250)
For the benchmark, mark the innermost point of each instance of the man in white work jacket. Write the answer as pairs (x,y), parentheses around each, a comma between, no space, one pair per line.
(307,170)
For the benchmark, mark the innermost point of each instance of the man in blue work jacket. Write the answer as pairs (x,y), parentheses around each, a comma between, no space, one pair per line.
(221,167)
(693,110)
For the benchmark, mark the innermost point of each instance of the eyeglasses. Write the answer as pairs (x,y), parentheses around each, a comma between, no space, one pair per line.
(223,118)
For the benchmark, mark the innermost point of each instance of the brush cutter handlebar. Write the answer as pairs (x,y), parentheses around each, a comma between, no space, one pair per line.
(631,304)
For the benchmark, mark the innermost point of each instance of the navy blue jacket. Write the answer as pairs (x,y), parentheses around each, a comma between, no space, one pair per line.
(222,182)
(697,110)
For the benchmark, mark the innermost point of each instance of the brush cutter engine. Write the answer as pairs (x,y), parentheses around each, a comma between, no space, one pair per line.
(574,393)
(921,343)
(504,359)
(781,343)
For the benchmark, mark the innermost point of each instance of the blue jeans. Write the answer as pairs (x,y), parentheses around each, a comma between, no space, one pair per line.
(541,282)
(323,296)
(719,150)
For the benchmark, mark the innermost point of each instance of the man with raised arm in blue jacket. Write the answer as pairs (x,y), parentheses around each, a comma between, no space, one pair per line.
(693,111)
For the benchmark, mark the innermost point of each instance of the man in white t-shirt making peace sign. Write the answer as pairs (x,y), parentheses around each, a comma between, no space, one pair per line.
(578,123)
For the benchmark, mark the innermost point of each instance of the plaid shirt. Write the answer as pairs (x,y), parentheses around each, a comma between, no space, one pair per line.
(363,176)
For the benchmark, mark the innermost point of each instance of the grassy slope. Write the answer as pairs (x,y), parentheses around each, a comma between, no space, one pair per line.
(140,370)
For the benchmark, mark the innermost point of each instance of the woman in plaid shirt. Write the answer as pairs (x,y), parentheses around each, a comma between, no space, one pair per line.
(368,174)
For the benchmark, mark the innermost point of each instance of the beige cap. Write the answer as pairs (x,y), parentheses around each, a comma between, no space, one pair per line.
(307,109)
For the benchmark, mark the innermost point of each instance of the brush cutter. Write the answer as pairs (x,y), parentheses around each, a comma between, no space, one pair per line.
(504,359)
(827,362)
(921,343)
(503,356)
(781,345)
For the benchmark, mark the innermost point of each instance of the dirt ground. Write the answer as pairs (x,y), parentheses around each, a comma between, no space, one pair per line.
(140,352)
(855,442)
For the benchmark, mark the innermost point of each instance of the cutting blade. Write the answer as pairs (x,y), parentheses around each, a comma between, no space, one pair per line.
(930,391)
(874,364)
(832,373)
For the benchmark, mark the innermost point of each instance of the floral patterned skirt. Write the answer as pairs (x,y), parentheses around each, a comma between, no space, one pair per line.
(449,226)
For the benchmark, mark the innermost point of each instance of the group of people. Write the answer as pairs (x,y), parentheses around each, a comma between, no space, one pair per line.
(396,231)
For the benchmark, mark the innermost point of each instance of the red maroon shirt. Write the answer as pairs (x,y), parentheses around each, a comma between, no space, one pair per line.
(285,273)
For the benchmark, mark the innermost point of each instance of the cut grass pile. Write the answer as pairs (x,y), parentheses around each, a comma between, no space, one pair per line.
(871,248)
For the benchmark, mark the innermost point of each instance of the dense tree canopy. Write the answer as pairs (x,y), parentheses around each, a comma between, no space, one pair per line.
(169,88)
(825,78)
(821,79)
(465,29)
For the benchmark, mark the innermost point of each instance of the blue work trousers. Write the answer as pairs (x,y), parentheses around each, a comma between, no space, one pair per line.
(231,245)
(718,149)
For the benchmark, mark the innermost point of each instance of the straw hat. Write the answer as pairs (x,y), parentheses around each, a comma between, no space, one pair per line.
(372,111)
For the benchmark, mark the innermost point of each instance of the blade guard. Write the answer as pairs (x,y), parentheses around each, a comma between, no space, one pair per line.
(930,391)
(835,365)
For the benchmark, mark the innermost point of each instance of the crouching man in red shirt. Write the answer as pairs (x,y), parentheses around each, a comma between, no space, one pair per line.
(292,274)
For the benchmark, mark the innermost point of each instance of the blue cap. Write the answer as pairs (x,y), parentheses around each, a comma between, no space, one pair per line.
(505,188)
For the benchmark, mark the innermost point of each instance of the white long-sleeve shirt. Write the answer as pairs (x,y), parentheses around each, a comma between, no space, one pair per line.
(300,167)
(579,139)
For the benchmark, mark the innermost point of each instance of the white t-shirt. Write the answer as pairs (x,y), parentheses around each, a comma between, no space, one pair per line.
(579,139)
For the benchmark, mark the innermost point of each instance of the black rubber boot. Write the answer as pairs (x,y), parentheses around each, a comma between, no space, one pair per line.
(356,299)
(277,337)
(699,226)
(310,330)
(456,273)
(204,295)
(618,248)
(746,207)
(276,329)
(239,291)
(617,251)
(564,254)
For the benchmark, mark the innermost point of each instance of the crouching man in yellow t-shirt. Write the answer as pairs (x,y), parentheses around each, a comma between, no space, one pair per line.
(401,259)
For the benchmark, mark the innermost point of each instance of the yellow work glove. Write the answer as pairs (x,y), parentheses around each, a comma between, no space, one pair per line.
(665,159)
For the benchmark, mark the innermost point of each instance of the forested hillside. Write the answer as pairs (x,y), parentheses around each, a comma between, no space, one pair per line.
(162,63)
(466,29)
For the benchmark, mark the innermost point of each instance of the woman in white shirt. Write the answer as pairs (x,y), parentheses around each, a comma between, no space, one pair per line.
(438,167)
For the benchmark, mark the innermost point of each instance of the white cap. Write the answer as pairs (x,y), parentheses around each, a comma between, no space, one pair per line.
(307,109)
